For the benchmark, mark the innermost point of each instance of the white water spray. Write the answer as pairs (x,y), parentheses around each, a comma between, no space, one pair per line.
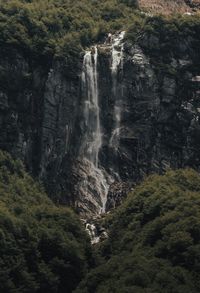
(93,141)
(117,63)
(117,52)
(96,181)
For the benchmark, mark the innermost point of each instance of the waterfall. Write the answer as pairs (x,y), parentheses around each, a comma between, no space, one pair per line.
(117,52)
(117,63)
(92,231)
(93,141)
(95,183)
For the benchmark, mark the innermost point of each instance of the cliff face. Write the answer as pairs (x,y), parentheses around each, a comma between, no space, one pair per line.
(159,125)
(38,104)
(148,106)
(21,91)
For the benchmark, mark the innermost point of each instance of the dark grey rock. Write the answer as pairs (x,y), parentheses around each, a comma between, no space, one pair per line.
(41,119)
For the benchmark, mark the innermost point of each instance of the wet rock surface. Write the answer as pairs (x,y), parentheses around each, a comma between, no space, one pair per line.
(95,229)
(158,94)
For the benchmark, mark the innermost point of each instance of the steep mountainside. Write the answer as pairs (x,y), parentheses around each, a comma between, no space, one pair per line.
(90,124)
(154,239)
(94,97)
(133,104)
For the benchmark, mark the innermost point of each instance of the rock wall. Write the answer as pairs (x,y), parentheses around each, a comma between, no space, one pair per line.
(158,92)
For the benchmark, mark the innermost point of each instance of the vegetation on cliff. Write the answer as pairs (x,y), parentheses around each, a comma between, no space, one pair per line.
(43,248)
(154,239)
(165,31)
(60,27)
(164,39)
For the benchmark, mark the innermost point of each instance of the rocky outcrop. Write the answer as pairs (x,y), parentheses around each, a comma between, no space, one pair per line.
(157,92)
(169,6)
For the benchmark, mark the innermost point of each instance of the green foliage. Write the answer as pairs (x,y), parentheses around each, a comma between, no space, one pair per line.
(48,26)
(63,27)
(154,239)
(43,248)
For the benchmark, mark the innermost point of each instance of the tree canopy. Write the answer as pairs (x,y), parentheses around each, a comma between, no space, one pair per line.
(58,26)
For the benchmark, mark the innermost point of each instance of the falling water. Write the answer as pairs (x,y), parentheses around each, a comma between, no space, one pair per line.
(93,140)
(117,52)
(92,231)
(96,182)
(117,63)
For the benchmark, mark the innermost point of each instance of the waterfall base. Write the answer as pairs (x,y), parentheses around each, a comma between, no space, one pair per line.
(91,189)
